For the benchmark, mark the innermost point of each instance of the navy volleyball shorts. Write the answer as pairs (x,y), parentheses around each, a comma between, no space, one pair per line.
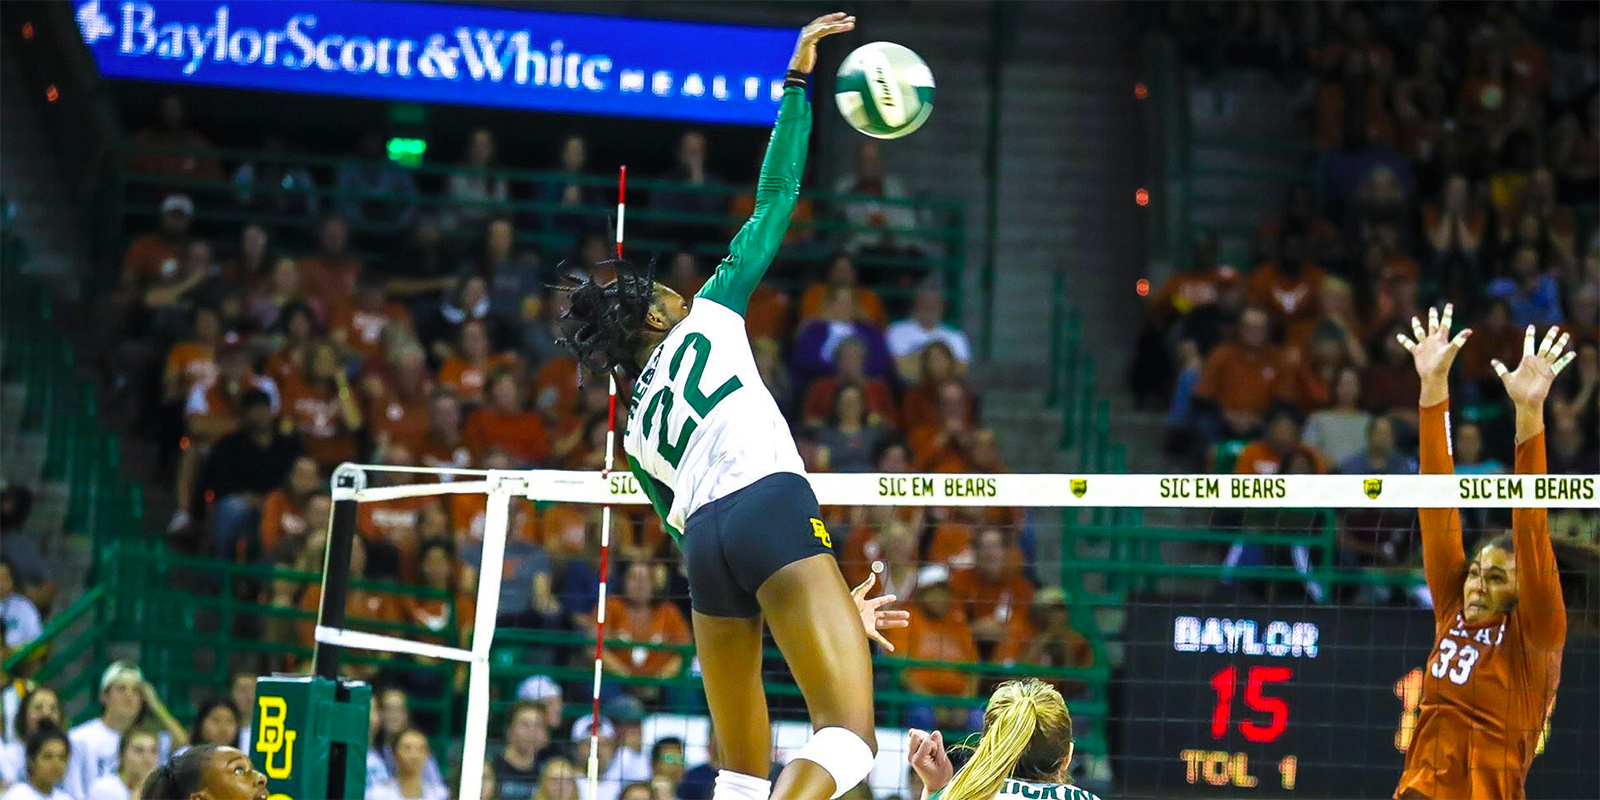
(733,544)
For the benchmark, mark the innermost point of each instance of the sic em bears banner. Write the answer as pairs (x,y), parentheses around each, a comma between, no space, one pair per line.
(459,54)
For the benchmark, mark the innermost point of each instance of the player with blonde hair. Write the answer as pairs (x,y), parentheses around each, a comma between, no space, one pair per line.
(1024,750)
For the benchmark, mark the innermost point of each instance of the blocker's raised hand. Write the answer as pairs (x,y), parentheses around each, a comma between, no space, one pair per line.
(1433,350)
(1529,383)
(805,50)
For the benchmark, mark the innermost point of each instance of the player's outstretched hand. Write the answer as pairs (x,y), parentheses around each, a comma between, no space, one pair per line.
(1433,350)
(1529,383)
(874,617)
(930,761)
(805,50)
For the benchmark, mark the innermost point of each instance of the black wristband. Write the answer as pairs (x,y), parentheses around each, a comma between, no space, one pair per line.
(794,78)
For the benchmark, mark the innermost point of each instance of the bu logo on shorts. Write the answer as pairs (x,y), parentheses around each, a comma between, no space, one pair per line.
(821,532)
(1079,487)
(1373,487)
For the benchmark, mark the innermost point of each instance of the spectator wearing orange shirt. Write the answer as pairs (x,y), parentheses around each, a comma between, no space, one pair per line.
(362,607)
(320,405)
(555,386)
(921,402)
(1289,289)
(392,528)
(850,367)
(192,362)
(330,273)
(397,391)
(443,446)
(296,330)
(211,412)
(439,570)
(842,275)
(1281,438)
(285,512)
(1243,378)
(155,255)
(993,592)
(505,422)
(947,445)
(1045,637)
(359,326)
(640,617)
(938,632)
(466,371)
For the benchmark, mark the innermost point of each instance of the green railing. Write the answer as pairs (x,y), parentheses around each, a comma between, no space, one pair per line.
(940,231)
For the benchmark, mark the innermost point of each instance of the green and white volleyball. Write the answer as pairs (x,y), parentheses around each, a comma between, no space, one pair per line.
(884,90)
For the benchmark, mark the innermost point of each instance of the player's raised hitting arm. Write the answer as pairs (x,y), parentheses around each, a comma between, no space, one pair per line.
(1433,351)
(778,189)
(1538,582)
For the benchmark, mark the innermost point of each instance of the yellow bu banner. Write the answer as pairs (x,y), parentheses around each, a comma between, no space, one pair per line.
(298,721)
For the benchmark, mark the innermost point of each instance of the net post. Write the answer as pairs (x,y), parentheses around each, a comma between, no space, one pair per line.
(347,480)
(496,527)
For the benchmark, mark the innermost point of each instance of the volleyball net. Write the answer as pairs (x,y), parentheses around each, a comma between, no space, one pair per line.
(1213,634)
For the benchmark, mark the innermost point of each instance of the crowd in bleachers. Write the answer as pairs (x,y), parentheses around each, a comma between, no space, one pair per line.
(1458,155)
(261,331)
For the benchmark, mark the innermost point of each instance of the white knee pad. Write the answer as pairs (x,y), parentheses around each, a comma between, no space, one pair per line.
(844,755)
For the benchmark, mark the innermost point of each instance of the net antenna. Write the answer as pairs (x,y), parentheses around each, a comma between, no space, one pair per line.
(605,532)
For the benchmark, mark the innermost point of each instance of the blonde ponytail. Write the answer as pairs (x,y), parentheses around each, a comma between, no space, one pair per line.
(1018,713)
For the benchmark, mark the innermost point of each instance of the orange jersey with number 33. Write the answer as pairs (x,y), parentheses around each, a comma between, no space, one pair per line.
(1488,688)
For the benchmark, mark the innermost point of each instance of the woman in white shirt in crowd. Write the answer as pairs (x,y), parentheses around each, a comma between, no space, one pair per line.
(137,756)
(47,751)
(41,707)
(411,755)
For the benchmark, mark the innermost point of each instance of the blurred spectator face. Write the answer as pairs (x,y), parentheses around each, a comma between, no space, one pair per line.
(172,112)
(869,160)
(1380,438)
(848,407)
(49,766)
(527,732)
(1456,193)
(953,402)
(1337,301)
(433,522)
(253,243)
(1498,317)
(480,148)
(1588,363)
(199,257)
(928,305)
(574,154)
(841,304)
(501,237)
(143,753)
(41,706)
(1469,443)
(335,236)
(505,394)
(304,477)
(558,780)
(323,362)
(444,413)
(1567,435)
(842,272)
(1298,463)
(1525,264)
(319,509)
(474,290)
(608,748)
(394,711)
(410,753)
(242,691)
(1283,433)
(692,148)
(437,565)
(475,341)
(668,762)
(938,363)
(990,550)
(124,698)
(639,586)
(850,360)
(934,599)
(285,280)
(894,458)
(1347,388)
(220,727)
(1253,328)
(899,546)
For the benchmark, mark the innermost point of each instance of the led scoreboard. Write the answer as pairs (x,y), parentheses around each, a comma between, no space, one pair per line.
(1232,701)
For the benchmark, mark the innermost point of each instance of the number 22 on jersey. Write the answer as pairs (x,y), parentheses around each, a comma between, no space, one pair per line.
(658,411)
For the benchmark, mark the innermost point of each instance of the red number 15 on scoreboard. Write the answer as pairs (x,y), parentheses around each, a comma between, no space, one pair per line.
(1226,683)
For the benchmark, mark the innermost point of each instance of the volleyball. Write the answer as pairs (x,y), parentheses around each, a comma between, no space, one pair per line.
(884,90)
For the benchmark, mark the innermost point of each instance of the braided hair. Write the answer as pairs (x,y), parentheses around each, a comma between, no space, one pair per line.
(180,777)
(605,325)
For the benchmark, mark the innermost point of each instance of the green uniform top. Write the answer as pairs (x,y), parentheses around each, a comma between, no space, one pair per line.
(701,424)
(1028,790)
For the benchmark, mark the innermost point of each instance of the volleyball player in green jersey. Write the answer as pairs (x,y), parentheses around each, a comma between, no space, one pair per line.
(714,454)
(1023,754)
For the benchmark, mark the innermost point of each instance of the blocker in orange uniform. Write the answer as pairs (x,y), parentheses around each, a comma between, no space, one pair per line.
(1499,619)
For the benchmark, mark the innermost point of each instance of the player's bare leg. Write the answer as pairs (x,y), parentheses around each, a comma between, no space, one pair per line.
(820,634)
(730,664)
